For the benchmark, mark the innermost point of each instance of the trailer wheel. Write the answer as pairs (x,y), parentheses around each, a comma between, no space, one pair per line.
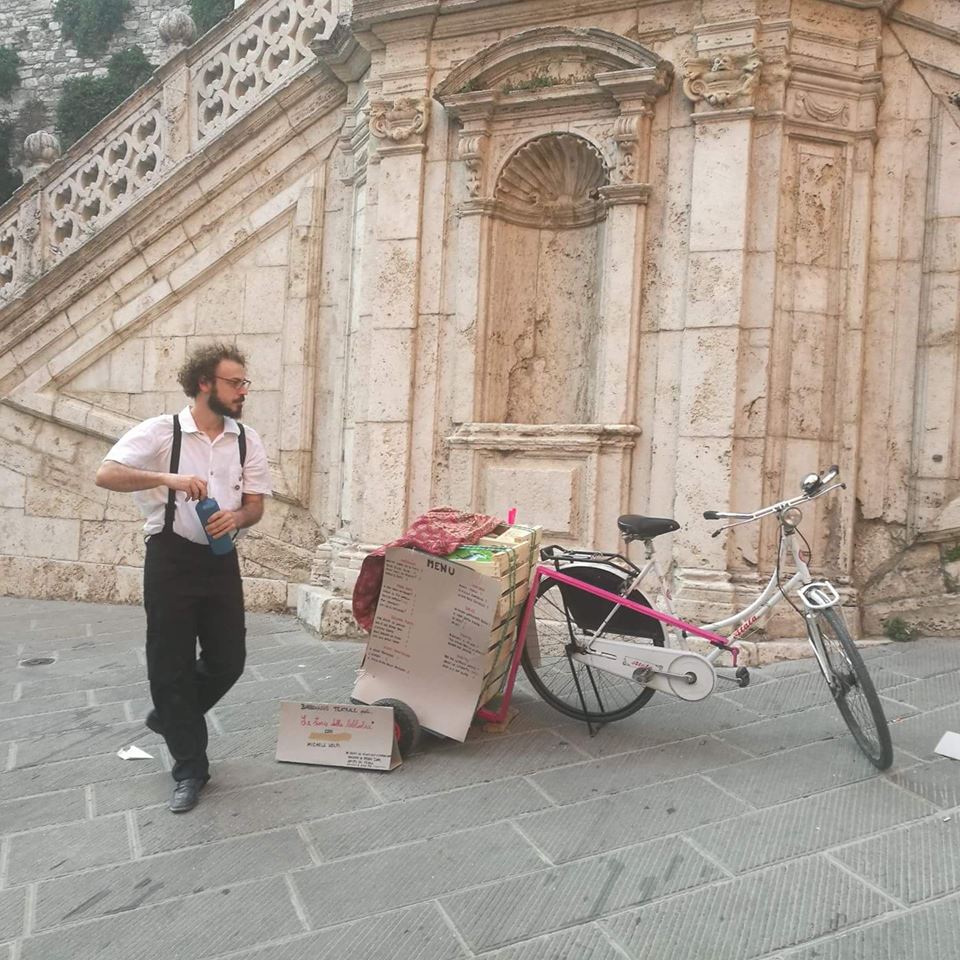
(406,726)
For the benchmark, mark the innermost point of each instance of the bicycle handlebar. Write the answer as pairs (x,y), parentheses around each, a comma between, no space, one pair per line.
(813,487)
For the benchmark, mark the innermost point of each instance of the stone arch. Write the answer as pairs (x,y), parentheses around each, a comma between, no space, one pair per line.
(580,54)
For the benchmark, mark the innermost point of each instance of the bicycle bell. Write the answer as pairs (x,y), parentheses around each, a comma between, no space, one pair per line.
(810,482)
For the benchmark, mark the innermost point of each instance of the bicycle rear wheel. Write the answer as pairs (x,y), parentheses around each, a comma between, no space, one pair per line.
(564,620)
(853,690)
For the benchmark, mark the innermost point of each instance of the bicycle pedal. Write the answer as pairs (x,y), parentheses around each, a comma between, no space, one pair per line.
(741,678)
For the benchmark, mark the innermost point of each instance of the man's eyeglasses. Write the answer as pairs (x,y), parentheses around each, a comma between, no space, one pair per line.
(236,382)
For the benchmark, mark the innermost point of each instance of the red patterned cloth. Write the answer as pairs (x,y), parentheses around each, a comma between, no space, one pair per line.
(439,531)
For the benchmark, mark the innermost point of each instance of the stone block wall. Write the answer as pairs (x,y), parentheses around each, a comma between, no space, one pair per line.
(48,59)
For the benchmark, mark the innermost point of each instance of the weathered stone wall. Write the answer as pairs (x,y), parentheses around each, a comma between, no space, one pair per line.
(30,27)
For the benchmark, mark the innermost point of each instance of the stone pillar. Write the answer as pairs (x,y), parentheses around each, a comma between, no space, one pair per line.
(626,197)
(721,81)
(399,118)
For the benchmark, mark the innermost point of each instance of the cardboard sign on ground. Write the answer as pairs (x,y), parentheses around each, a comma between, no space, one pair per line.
(337,735)
(430,639)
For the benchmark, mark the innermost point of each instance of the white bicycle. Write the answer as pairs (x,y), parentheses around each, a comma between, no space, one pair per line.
(595,648)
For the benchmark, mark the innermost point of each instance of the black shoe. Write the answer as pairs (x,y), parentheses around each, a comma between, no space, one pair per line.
(152,722)
(186,794)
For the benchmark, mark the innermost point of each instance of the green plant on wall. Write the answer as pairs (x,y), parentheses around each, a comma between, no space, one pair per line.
(86,100)
(90,24)
(208,13)
(9,76)
(10,179)
(898,630)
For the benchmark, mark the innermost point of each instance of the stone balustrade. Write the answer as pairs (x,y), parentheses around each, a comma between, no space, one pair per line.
(192,99)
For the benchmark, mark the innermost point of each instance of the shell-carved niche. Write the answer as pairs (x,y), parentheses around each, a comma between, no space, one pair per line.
(543,324)
(552,180)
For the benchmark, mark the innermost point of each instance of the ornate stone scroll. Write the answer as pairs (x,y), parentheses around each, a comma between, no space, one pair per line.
(106,181)
(472,151)
(400,119)
(723,78)
(257,57)
(626,140)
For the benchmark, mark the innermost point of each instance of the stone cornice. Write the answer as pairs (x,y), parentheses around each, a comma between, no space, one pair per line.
(367,13)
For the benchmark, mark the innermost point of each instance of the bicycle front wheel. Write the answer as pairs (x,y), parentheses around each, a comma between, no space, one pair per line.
(564,621)
(853,690)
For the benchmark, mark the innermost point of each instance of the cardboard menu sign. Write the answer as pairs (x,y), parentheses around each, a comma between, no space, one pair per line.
(430,639)
(337,735)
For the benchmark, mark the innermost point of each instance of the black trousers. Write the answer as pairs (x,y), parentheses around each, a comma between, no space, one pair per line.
(191,596)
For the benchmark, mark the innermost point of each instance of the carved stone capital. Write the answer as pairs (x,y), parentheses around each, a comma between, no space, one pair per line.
(723,78)
(400,119)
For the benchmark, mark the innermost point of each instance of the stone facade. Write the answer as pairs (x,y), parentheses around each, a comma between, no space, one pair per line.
(578,258)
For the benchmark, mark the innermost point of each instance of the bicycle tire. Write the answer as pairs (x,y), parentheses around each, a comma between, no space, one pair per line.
(555,676)
(853,690)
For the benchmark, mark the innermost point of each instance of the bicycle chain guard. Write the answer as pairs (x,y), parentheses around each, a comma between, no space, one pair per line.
(682,674)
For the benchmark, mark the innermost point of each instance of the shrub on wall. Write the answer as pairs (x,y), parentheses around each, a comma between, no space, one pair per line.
(9,77)
(90,24)
(87,100)
(208,13)
(10,179)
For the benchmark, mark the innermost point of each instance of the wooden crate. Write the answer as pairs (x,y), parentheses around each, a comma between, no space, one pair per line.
(509,554)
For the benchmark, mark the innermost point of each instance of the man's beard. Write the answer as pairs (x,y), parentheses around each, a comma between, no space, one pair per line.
(221,409)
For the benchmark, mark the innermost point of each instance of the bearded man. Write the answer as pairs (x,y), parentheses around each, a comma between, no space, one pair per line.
(192,595)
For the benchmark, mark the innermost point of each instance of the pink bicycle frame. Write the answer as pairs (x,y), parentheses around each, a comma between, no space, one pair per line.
(498,716)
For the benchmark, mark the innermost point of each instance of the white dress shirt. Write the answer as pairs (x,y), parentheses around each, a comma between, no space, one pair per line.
(147,447)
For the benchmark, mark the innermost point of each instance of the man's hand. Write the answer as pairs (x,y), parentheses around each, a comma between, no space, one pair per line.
(194,487)
(221,523)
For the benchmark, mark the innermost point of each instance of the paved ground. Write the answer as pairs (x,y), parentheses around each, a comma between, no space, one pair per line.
(747,826)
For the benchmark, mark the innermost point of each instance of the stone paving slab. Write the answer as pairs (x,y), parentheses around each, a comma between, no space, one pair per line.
(412,933)
(65,849)
(749,916)
(596,826)
(800,827)
(795,773)
(170,876)
(920,862)
(198,926)
(371,883)
(624,771)
(656,838)
(928,933)
(576,943)
(524,907)
(348,834)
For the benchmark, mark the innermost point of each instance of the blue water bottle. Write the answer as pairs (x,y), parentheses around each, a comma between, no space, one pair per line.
(206,508)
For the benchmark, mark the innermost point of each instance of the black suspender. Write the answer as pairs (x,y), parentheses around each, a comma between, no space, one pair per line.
(171,507)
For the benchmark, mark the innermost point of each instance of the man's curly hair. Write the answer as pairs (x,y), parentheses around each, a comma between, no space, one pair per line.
(202,365)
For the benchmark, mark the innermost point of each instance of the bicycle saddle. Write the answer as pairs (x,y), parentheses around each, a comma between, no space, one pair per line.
(635,527)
